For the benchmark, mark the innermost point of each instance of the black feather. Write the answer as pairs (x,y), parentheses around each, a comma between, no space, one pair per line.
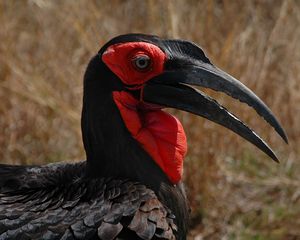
(80,207)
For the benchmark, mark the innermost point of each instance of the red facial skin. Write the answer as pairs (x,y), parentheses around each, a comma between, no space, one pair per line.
(119,58)
(159,133)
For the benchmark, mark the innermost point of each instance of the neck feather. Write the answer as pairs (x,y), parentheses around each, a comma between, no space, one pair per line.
(111,150)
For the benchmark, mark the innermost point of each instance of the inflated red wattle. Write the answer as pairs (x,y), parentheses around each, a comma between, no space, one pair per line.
(159,133)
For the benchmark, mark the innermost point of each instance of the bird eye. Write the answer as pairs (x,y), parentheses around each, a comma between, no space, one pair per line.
(141,62)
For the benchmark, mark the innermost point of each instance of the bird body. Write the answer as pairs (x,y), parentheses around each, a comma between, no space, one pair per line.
(130,186)
(57,201)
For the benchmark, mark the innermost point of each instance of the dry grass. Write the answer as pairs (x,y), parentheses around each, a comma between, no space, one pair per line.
(235,191)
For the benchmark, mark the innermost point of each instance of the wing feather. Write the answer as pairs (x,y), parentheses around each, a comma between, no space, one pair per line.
(57,201)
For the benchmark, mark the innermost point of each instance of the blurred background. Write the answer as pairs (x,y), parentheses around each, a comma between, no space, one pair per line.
(235,191)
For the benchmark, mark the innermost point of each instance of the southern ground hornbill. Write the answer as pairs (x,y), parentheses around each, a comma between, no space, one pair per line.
(130,186)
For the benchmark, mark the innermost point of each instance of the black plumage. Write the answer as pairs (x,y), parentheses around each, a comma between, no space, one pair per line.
(58,202)
(120,192)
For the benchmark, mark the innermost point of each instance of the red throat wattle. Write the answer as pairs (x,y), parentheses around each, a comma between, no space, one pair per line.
(159,133)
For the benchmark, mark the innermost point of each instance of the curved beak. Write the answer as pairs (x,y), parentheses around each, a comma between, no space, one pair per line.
(173,89)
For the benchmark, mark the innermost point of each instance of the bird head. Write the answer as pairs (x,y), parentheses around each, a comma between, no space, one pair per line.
(145,74)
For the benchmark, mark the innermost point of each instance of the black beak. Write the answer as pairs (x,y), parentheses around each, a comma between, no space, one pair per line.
(172,89)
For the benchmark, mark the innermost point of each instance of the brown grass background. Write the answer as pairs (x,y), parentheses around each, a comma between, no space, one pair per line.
(235,191)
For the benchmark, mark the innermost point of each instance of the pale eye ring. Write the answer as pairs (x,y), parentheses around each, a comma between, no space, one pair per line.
(141,62)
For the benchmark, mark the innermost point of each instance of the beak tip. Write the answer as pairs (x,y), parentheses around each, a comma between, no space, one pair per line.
(277,161)
(286,139)
(282,134)
(274,157)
